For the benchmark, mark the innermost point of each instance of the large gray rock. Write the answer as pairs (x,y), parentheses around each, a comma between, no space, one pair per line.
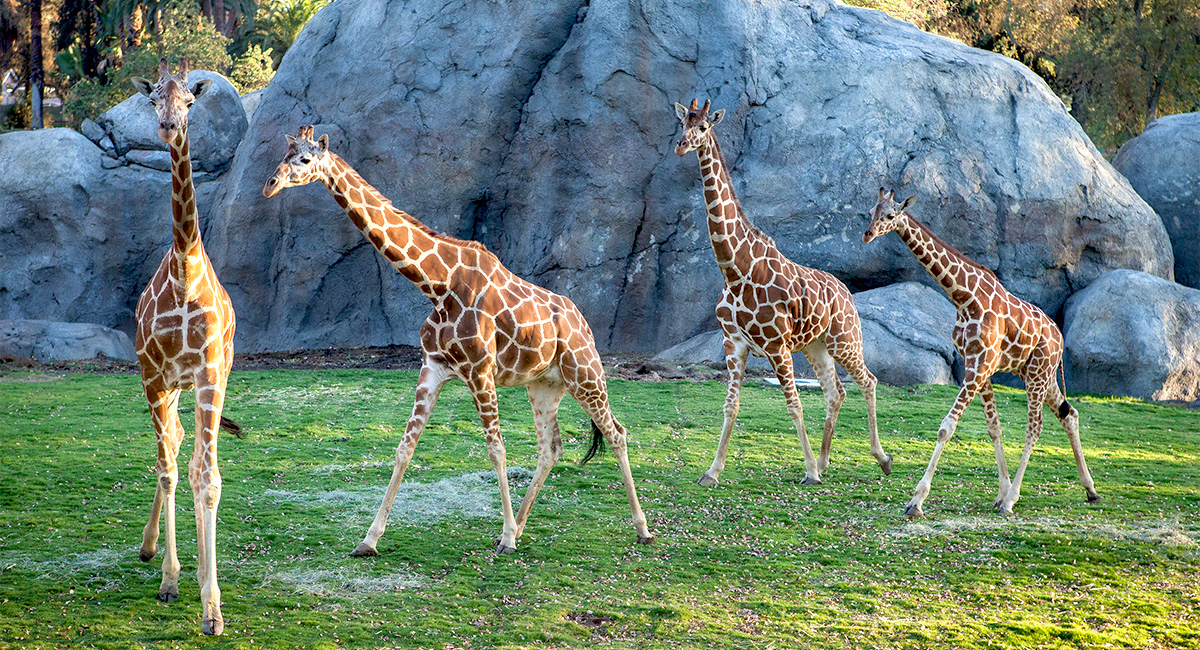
(49,341)
(908,334)
(1130,333)
(545,130)
(78,242)
(906,327)
(216,124)
(1163,165)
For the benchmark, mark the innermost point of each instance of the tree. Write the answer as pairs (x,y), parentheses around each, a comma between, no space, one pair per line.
(78,26)
(279,23)
(36,74)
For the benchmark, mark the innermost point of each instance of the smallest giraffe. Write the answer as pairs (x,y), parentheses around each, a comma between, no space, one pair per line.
(994,332)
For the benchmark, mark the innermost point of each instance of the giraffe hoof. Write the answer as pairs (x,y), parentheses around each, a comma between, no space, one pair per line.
(646,540)
(808,480)
(913,511)
(502,549)
(167,594)
(364,550)
(708,479)
(1092,497)
(147,554)
(886,465)
(1005,509)
(212,626)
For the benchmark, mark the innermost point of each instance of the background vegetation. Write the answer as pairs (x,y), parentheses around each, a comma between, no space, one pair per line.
(757,562)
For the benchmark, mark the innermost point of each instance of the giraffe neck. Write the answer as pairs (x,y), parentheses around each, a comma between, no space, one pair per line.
(728,229)
(941,260)
(185,224)
(415,250)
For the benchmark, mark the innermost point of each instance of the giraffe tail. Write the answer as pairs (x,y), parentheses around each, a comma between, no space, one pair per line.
(232,427)
(1064,409)
(597,444)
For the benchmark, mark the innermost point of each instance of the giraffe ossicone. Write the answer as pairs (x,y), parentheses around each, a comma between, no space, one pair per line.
(185,326)
(488,327)
(773,307)
(994,331)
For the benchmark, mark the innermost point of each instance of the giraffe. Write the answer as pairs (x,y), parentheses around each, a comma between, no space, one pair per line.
(994,331)
(772,307)
(488,328)
(184,340)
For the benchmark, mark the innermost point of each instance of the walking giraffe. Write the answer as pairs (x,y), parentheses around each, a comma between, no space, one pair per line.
(994,332)
(488,328)
(772,306)
(184,340)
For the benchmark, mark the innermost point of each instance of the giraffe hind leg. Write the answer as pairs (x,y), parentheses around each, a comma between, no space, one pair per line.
(1069,417)
(544,399)
(835,394)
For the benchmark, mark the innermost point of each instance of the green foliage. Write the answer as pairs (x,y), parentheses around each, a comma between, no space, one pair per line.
(185,34)
(251,70)
(279,22)
(18,116)
(759,561)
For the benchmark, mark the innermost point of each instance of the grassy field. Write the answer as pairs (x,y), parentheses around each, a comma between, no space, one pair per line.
(760,561)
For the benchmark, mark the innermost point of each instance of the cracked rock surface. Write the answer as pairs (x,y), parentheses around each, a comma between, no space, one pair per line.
(545,130)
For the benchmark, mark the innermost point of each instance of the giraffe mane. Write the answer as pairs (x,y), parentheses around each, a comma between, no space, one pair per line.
(954,251)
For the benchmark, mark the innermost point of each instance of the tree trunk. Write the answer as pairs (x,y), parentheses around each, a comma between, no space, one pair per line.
(1079,98)
(35,63)
(218,9)
(1156,86)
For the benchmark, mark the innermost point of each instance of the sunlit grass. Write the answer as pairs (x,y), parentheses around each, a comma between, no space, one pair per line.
(759,561)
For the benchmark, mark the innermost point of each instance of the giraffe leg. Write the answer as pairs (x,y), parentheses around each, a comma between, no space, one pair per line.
(204,474)
(834,393)
(848,353)
(971,386)
(1070,422)
(483,389)
(433,376)
(781,361)
(544,398)
(164,411)
(735,362)
(1036,395)
(988,398)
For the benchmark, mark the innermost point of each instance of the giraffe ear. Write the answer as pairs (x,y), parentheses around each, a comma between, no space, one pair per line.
(882,194)
(716,118)
(290,138)
(143,86)
(680,111)
(201,87)
(323,142)
(907,202)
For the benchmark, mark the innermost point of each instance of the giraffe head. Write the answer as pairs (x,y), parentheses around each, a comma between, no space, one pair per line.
(697,125)
(171,98)
(304,162)
(885,216)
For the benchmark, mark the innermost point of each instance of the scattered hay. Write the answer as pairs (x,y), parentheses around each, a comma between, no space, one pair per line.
(89,567)
(28,377)
(342,468)
(471,495)
(1167,533)
(339,582)
(317,395)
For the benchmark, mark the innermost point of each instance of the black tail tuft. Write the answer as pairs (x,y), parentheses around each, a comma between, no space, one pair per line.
(1064,409)
(232,427)
(597,444)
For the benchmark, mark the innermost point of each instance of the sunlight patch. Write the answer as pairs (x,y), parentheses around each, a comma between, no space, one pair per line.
(340,583)
(472,495)
(1165,532)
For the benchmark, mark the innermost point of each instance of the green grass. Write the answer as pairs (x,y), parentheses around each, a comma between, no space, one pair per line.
(760,561)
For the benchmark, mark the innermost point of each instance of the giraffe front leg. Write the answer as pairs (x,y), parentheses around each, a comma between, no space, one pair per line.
(483,389)
(544,398)
(169,432)
(735,362)
(204,475)
(992,416)
(781,361)
(971,387)
(818,357)
(429,385)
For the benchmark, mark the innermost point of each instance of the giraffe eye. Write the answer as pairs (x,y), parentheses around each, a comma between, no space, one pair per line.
(191,102)
(305,160)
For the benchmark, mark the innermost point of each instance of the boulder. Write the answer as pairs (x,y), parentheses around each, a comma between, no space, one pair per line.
(1163,165)
(1131,333)
(545,130)
(908,334)
(49,341)
(907,330)
(78,242)
(216,124)
(250,103)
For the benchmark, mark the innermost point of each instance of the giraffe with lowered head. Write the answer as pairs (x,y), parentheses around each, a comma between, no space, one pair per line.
(772,307)
(184,340)
(994,331)
(488,328)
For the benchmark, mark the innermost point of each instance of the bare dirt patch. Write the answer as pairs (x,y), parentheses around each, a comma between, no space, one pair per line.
(588,619)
